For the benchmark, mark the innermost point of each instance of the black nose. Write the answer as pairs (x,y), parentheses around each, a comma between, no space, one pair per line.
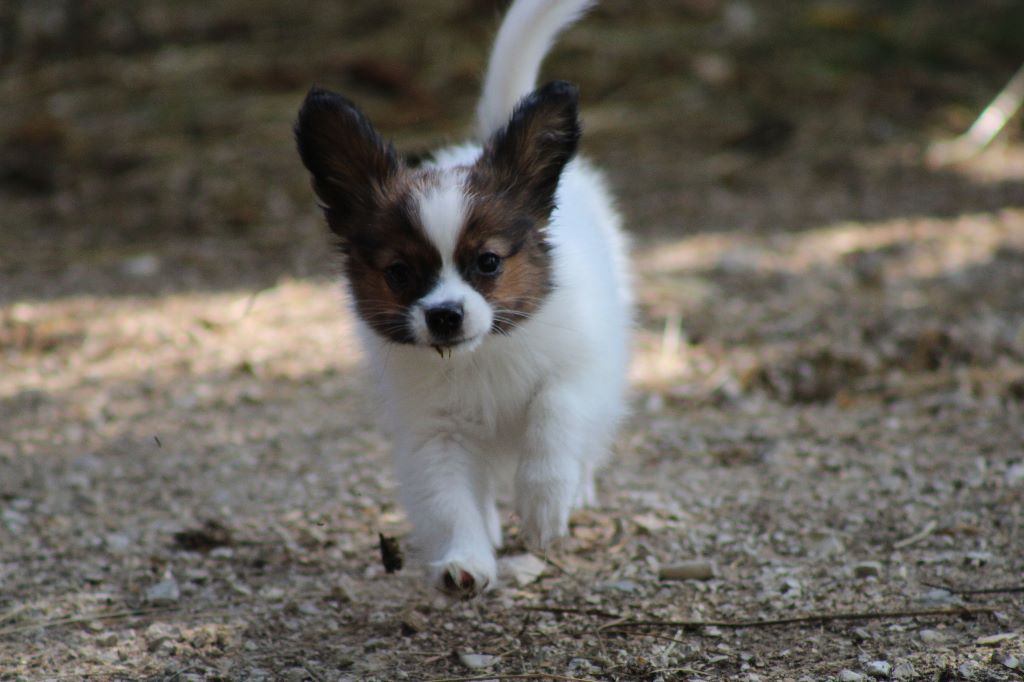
(445,320)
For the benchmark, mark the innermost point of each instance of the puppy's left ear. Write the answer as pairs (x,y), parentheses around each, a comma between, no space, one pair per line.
(527,156)
(349,161)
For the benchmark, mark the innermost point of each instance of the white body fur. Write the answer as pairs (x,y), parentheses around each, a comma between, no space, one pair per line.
(539,406)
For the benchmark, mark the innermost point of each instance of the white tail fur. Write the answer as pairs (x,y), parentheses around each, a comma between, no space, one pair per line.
(525,36)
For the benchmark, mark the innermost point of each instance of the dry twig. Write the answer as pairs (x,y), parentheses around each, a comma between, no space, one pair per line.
(620,622)
(1008,589)
(514,676)
(808,618)
(569,609)
(928,529)
(85,618)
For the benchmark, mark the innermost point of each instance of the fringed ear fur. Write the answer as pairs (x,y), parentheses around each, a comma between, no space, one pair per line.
(349,160)
(527,156)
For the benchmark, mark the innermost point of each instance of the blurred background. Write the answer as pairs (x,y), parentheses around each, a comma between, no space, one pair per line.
(154,137)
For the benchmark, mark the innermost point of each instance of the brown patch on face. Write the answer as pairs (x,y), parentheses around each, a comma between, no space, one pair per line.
(523,278)
(366,194)
(389,261)
(513,187)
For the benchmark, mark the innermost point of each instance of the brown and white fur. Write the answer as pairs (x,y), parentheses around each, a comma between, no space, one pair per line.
(493,301)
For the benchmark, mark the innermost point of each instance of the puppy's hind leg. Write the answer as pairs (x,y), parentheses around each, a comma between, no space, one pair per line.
(551,471)
(489,507)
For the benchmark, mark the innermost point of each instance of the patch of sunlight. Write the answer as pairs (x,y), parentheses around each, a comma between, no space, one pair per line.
(676,278)
(293,329)
(945,245)
(999,163)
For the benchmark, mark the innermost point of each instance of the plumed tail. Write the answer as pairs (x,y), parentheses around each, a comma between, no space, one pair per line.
(525,36)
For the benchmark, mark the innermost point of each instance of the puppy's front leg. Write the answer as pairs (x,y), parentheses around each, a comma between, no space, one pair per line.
(441,484)
(550,472)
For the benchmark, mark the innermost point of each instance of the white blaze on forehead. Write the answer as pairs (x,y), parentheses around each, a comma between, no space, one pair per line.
(442,212)
(442,209)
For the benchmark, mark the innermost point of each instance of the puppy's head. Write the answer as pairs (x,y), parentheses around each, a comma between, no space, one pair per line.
(442,257)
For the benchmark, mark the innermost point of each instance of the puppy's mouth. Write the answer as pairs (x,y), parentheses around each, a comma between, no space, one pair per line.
(446,349)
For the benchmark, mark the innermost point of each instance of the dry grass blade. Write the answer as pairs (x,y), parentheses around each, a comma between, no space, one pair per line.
(991,121)
(568,609)
(916,537)
(85,618)
(1008,589)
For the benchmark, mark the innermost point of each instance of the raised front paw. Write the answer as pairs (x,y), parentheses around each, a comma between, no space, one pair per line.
(464,576)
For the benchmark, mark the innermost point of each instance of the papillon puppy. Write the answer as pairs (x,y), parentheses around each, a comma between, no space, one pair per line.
(493,299)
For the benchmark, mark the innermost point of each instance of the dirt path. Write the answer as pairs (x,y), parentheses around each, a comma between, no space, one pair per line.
(829,371)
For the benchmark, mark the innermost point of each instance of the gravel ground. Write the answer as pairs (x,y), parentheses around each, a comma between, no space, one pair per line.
(823,478)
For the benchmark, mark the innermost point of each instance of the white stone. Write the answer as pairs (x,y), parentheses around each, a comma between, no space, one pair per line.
(904,671)
(164,592)
(879,668)
(477,661)
(522,569)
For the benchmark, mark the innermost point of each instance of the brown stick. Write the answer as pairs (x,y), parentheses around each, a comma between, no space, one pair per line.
(808,618)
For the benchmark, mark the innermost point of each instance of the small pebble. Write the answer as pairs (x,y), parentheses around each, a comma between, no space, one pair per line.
(344,590)
(1007,660)
(477,661)
(648,523)
(879,669)
(939,597)
(930,636)
(580,665)
(160,638)
(696,569)
(413,621)
(847,675)
(867,569)
(521,569)
(271,593)
(296,675)
(621,586)
(1015,475)
(904,671)
(967,669)
(107,639)
(118,543)
(828,547)
(164,592)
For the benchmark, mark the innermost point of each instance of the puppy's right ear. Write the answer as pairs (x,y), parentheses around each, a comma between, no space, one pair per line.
(349,161)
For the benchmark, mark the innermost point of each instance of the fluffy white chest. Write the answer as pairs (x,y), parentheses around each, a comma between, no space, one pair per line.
(482,396)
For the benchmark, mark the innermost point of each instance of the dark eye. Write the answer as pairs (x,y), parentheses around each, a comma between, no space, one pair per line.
(488,263)
(398,275)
